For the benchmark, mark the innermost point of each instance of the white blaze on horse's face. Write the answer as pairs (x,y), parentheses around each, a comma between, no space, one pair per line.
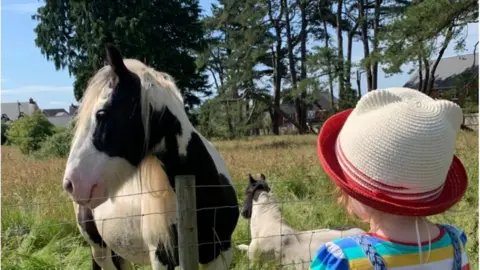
(89,172)
(109,141)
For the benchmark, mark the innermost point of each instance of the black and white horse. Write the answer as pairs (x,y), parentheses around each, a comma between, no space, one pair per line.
(132,138)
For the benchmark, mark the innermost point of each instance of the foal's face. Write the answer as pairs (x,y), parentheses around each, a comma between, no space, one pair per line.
(113,145)
(253,188)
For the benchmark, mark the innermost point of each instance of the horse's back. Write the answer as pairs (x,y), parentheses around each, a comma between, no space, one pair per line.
(217,158)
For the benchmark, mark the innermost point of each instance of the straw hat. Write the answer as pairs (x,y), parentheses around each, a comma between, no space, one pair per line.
(395,152)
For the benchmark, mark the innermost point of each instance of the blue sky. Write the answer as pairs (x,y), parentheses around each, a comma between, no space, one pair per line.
(26,73)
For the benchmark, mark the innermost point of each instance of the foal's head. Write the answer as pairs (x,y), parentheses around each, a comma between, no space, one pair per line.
(251,193)
(112,133)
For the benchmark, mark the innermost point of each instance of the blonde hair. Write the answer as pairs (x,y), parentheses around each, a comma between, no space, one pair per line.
(356,209)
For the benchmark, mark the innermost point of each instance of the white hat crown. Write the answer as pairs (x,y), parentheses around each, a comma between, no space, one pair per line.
(400,142)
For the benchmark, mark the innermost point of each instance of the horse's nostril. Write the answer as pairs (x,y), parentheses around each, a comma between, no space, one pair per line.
(68,186)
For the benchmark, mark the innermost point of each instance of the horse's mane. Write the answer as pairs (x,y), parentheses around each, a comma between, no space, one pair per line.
(97,92)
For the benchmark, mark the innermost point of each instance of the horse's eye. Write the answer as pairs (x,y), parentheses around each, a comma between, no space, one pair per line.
(101,114)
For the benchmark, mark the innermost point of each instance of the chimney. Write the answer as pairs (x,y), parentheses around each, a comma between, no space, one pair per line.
(31,101)
(72,109)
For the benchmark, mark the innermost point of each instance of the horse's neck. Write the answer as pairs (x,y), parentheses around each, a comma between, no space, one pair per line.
(266,216)
(190,154)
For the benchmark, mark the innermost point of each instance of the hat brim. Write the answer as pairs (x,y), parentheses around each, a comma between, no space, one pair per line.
(453,190)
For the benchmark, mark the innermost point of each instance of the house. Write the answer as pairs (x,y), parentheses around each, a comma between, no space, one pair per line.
(448,73)
(62,120)
(316,112)
(72,109)
(55,112)
(11,111)
(58,117)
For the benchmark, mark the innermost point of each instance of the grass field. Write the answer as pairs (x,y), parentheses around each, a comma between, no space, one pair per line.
(38,230)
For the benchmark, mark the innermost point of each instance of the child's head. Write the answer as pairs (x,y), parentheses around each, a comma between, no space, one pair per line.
(357,209)
(395,153)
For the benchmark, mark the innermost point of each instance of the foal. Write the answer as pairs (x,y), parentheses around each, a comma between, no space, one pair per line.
(271,235)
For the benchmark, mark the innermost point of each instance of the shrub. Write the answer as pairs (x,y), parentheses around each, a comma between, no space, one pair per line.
(4,132)
(29,131)
(55,146)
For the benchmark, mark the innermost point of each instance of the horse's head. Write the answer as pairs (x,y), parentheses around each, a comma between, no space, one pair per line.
(112,134)
(251,193)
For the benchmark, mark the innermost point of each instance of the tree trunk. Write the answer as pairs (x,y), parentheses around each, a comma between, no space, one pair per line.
(303,64)
(448,38)
(420,74)
(303,39)
(277,75)
(277,78)
(426,64)
(291,56)
(348,71)
(376,25)
(359,85)
(340,59)
(329,64)
(364,36)
(227,111)
(348,68)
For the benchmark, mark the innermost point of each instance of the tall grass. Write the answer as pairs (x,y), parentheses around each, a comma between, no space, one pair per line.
(39,232)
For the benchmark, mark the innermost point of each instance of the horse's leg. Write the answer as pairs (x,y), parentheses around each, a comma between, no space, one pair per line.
(102,256)
(156,263)
(106,259)
(161,259)
(95,265)
(222,262)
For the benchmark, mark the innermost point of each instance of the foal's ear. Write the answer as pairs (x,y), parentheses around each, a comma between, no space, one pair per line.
(115,59)
(251,179)
(262,177)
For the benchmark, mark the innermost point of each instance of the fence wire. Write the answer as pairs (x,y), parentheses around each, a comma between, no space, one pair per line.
(14,235)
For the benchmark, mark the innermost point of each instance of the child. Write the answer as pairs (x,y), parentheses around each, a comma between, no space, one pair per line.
(392,160)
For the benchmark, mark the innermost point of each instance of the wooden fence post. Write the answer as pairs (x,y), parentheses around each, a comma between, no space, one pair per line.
(187,222)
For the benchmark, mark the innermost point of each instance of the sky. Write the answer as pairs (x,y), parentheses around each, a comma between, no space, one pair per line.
(26,73)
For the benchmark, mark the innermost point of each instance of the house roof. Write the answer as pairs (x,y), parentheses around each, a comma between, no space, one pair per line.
(54,112)
(11,109)
(60,120)
(323,101)
(448,70)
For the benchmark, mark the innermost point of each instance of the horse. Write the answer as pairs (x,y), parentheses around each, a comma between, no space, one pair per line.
(273,238)
(132,137)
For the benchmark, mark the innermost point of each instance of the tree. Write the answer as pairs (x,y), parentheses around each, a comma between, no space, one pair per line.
(238,41)
(322,18)
(165,34)
(29,132)
(422,41)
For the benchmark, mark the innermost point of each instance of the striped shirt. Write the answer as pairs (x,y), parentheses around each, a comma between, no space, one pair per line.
(345,253)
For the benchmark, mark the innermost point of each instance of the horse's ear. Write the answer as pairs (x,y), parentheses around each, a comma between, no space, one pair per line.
(115,59)
(251,179)
(262,177)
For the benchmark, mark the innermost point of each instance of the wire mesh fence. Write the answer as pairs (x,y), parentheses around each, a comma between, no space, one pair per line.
(278,227)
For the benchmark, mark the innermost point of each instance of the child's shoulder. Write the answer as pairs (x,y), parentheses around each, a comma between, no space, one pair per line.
(337,253)
(456,230)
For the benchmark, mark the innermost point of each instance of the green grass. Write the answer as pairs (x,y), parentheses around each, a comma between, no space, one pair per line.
(39,232)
